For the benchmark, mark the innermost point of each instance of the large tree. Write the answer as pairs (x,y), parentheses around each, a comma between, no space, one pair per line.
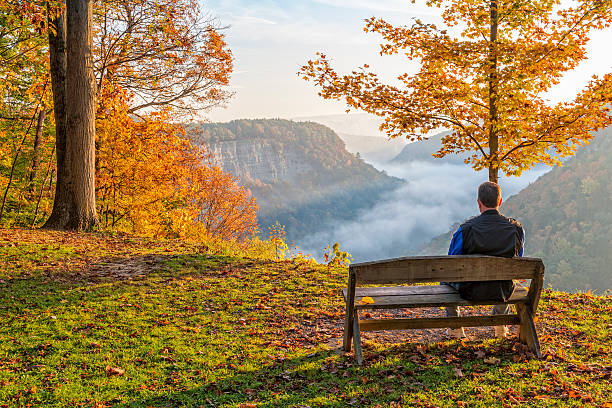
(153,60)
(485,76)
(75,105)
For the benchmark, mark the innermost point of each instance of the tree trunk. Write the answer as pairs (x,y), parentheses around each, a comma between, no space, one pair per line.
(493,87)
(62,203)
(81,111)
(74,205)
(37,141)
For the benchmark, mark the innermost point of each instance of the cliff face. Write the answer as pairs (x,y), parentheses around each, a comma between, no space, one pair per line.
(252,160)
(300,172)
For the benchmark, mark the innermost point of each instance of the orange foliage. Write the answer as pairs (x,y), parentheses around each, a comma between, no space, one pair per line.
(151,181)
(485,84)
(167,52)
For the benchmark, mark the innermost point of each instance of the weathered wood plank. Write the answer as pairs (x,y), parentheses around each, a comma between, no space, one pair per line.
(438,300)
(357,339)
(437,322)
(527,330)
(445,268)
(349,295)
(401,291)
(535,289)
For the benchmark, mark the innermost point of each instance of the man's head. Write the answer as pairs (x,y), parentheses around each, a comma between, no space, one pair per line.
(489,196)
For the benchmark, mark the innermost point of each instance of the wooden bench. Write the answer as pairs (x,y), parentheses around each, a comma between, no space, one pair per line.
(411,270)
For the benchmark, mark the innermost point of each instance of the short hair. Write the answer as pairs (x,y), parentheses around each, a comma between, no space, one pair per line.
(489,194)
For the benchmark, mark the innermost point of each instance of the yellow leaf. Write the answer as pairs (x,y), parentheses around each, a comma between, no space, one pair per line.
(367,299)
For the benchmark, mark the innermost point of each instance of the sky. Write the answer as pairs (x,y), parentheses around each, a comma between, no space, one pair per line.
(272,39)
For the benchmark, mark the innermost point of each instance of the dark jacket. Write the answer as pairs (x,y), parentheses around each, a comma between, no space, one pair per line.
(490,233)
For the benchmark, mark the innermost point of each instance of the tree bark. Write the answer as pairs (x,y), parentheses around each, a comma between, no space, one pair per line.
(80,112)
(493,87)
(62,203)
(74,206)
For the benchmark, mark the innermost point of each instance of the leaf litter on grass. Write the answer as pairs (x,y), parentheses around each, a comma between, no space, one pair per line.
(114,320)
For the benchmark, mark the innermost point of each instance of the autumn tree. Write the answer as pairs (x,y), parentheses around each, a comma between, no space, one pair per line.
(152,181)
(166,54)
(485,76)
(153,61)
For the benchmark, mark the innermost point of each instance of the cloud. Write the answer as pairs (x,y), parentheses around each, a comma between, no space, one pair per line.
(388,6)
(255,20)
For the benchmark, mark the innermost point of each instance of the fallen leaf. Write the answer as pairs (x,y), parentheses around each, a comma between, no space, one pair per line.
(367,299)
(492,360)
(114,370)
(457,372)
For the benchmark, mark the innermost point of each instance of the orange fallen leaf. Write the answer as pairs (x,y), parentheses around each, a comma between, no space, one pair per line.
(367,299)
(114,370)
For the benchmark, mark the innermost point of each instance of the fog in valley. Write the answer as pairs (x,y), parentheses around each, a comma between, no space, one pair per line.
(437,196)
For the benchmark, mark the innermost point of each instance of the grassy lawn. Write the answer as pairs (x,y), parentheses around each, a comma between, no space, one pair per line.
(100,320)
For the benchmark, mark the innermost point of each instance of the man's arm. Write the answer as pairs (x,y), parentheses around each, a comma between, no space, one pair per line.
(456,245)
(456,248)
(522,243)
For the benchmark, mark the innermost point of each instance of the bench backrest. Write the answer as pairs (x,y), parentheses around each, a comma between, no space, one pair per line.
(455,268)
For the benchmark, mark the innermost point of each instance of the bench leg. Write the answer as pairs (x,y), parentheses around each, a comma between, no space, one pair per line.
(357,339)
(348,330)
(350,311)
(527,330)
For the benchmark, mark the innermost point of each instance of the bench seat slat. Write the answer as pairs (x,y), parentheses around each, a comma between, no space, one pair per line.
(426,299)
(401,290)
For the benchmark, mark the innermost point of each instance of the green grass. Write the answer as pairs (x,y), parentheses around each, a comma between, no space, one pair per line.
(182,327)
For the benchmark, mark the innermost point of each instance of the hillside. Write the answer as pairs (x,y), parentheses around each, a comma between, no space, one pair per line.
(567,216)
(101,320)
(422,150)
(300,172)
(373,149)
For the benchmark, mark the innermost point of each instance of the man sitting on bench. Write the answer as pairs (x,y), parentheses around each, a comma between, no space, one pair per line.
(490,233)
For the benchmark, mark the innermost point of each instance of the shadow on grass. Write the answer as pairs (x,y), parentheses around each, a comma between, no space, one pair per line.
(50,287)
